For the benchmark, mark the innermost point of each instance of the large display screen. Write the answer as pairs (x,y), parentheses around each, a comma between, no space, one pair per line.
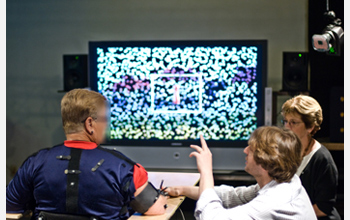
(167,93)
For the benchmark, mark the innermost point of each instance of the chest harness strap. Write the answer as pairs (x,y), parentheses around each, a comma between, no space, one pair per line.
(73,181)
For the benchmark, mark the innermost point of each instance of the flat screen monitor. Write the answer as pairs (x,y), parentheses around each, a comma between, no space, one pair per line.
(167,93)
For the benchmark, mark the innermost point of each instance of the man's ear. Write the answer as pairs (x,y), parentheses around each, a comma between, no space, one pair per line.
(89,125)
(263,171)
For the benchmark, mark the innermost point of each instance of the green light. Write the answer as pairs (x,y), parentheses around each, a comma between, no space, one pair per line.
(300,55)
(331,50)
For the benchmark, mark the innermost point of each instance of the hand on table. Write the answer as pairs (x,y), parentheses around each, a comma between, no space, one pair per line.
(173,191)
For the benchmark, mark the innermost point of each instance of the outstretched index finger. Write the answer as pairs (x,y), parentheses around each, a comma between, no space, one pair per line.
(203,143)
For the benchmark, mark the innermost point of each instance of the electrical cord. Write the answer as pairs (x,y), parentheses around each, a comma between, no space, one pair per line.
(182,214)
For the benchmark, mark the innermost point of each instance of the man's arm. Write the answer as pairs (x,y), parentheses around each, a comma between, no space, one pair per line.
(191,192)
(141,181)
(158,208)
(19,191)
(204,164)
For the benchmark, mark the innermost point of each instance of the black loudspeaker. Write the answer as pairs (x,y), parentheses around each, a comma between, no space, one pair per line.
(336,115)
(75,71)
(295,71)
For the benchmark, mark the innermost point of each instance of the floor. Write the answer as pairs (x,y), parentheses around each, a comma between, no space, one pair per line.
(185,211)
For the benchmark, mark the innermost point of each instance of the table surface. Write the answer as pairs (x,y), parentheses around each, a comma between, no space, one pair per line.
(170,179)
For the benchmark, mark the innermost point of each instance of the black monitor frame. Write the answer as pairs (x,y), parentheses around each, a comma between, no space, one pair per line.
(261,79)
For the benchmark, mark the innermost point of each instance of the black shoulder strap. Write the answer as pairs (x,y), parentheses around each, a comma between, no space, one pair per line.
(118,154)
(73,181)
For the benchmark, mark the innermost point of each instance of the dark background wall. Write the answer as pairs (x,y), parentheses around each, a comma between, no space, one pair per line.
(327,86)
(326,72)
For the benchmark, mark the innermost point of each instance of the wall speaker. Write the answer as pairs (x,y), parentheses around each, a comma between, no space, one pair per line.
(75,71)
(295,71)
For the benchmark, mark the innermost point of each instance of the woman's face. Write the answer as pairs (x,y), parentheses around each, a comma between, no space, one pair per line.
(294,122)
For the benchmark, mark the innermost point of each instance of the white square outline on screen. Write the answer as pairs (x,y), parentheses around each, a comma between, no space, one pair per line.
(200,92)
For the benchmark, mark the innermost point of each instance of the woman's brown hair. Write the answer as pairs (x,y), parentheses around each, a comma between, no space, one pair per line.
(308,108)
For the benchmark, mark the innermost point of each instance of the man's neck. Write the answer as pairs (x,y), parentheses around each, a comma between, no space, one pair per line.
(79,136)
(263,179)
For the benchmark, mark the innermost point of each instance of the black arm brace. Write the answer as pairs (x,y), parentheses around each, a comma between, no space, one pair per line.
(145,199)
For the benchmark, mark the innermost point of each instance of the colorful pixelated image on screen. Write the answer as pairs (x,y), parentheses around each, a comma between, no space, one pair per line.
(177,93)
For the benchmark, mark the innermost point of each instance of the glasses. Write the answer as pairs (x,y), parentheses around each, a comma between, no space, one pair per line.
(101,118)
(291,123)
(98,118)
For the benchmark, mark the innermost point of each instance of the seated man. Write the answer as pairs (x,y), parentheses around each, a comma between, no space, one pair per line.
(80,178)
(273,157)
